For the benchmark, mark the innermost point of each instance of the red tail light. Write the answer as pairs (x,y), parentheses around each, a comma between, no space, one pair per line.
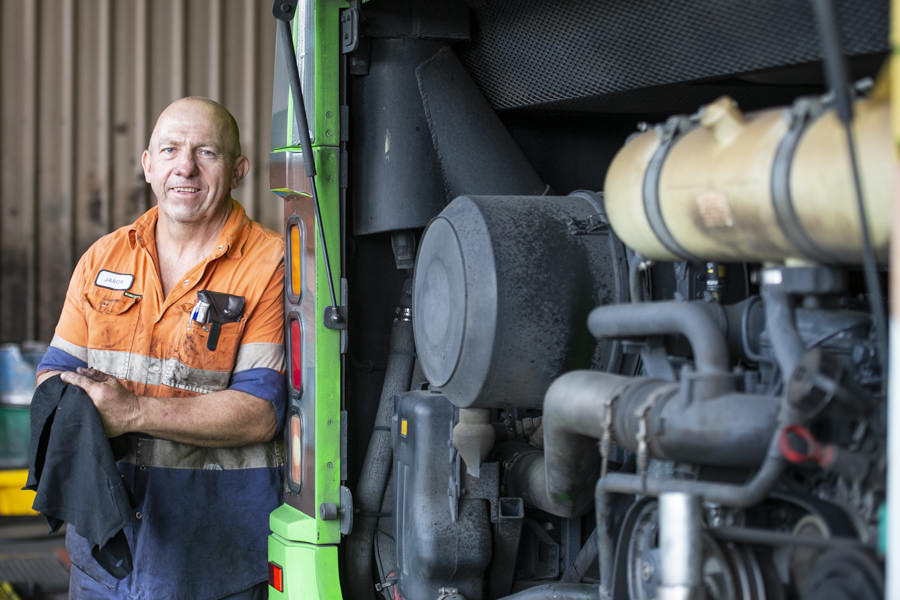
(296,350)
(276,578)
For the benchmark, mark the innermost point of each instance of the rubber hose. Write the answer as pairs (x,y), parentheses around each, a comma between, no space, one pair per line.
(377,464)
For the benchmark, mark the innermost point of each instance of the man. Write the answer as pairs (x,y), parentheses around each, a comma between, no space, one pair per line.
(173,326)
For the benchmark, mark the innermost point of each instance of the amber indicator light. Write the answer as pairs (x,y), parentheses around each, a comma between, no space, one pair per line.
(296,247)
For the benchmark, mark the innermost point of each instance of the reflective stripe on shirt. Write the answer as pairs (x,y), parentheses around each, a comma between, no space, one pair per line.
(157,371)
(79,352)
(153,452)
(259,355)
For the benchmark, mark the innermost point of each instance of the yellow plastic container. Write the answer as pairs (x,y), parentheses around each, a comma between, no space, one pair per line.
(14,501)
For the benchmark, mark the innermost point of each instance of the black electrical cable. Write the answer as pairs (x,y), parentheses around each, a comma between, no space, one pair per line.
(838,81)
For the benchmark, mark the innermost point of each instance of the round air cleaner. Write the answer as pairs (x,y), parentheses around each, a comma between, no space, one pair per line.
(501,293)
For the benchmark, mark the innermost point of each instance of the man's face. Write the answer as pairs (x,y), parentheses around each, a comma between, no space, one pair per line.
(191,162)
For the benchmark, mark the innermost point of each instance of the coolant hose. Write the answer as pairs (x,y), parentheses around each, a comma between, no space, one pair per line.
(782,331)
(736,430)
(696,321)
(377,464)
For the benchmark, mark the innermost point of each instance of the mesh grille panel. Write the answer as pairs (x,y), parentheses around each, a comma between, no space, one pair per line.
(528,52)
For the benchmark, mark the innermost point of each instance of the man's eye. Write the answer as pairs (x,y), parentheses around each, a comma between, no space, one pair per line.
(167,150)
(207,153)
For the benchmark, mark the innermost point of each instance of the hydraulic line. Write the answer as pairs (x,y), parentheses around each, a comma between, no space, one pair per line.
(377,464)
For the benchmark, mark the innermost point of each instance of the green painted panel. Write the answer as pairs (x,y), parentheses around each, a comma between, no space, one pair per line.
(310,572)
(326,126)
(327,74)
(328,349)
(291,524)
(303,545)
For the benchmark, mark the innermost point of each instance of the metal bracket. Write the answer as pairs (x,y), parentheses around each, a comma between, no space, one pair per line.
(335,317)
(283,10)
(329,511)
(606,439)
(349,29)
(803,280)
(643,454)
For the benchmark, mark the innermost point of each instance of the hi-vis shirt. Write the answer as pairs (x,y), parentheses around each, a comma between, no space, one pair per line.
(200,523)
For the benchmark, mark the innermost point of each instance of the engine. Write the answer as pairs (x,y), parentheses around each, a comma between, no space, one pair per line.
(670,385)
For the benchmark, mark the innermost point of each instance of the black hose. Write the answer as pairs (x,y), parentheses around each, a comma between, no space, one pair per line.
(737,431)
(635,279)
(694,320)
(377,464)
(782,330)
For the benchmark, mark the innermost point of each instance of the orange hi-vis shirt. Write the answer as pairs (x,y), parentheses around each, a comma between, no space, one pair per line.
(201,514)
(116,319)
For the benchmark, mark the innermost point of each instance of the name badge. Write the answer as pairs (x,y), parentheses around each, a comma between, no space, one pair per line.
(113,281)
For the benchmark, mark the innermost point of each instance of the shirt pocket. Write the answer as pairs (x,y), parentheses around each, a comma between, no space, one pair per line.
(112,319)
(200,368)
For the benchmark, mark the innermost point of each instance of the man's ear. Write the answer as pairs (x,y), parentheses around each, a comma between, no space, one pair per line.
(145,162)
(241,167)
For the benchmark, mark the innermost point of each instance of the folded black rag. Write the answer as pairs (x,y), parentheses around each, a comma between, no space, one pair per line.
(73,471)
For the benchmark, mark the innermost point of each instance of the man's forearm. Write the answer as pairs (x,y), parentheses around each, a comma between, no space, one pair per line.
(44,375)
(225,418)
(217,419)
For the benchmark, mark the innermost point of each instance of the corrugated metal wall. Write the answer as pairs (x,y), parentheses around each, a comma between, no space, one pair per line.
(81,82)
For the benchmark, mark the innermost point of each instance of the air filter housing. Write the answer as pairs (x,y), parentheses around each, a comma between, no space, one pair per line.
(501,293)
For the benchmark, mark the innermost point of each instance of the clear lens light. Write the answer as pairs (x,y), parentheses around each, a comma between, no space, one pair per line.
(296,449)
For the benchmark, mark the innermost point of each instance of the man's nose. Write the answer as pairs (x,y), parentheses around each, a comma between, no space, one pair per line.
(186,164)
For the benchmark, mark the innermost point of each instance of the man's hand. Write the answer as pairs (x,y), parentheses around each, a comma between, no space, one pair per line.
(118,407)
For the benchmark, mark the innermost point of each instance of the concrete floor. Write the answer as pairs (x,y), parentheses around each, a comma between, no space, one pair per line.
(35,563)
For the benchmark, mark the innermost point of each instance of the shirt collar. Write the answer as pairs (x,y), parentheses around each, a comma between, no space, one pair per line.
(231,238)
(234,233)
(143,231)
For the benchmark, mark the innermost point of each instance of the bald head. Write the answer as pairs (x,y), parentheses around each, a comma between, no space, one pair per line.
(193,161)
(197,107)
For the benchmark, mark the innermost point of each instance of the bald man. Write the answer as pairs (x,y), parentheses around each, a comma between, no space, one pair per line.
(173,326)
